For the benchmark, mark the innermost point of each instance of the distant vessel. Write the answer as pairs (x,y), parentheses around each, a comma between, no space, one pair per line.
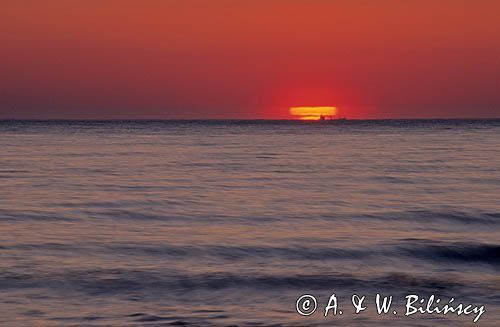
(323,118)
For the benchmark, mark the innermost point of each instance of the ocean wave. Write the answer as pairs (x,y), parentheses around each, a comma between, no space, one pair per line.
(427,216)
(26,215)
(114,281)
(230,253)
(375,254)
(455,252)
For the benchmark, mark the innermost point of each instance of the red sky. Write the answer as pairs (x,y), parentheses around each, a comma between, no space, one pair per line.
(249,59)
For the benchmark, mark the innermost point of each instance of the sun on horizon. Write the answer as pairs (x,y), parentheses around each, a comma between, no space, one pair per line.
(313,113)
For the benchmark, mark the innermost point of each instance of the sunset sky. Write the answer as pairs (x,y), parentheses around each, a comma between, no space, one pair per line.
(249,59)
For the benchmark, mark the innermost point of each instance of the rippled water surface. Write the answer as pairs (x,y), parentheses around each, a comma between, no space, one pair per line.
(228,223)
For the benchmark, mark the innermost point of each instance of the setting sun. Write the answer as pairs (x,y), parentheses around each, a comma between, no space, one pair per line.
(313,113)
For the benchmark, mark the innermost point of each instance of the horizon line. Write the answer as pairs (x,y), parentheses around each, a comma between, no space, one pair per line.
(240,119)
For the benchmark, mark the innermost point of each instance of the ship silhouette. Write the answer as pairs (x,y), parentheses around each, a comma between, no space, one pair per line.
(324,118)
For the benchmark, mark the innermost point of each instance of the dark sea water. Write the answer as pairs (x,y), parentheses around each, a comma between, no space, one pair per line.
(227,223)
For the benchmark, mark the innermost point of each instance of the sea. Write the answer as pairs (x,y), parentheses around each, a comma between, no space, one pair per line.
(230,223)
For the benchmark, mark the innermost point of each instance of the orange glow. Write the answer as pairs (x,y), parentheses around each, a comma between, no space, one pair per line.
(312,113)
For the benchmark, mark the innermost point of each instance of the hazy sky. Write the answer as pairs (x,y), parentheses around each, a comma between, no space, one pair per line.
(248,58)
